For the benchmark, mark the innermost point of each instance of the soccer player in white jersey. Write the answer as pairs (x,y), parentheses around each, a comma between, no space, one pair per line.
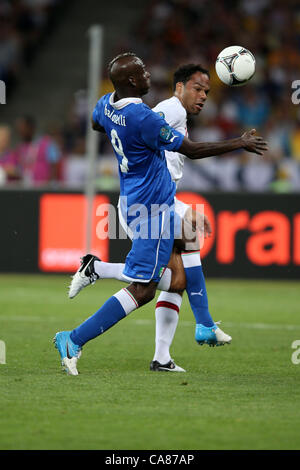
(191,87)
(139,137)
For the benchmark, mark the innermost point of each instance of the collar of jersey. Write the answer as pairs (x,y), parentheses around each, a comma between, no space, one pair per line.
(123,102)
(179,103)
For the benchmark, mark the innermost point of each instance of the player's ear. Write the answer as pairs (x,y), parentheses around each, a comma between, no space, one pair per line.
(179,87)
(132,81)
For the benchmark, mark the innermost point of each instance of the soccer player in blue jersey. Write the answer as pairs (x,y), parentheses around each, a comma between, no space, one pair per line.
(139,137)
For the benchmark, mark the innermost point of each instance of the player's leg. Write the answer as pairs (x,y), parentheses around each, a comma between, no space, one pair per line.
(167,309)
(166,319)
(117,307)
(206,329)
(93,269)
(168,304)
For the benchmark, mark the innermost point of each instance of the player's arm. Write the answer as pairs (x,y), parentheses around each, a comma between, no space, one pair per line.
(248,141)
(97,126)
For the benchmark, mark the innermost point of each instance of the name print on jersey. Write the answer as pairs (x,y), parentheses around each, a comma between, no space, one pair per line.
(115,118)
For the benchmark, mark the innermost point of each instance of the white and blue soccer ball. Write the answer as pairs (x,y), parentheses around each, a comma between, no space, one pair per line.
(235,65)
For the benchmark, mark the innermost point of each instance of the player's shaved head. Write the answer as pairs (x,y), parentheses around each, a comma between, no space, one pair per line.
(128,75)
(119,58)
(123,67)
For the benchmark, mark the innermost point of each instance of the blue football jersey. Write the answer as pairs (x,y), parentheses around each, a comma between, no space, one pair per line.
(139,137)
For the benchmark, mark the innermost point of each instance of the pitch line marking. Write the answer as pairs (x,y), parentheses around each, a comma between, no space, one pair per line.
(255,326)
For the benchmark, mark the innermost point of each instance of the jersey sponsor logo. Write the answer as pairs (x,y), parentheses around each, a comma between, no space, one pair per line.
(173,138)
(166,134)
(115,118)
(198,293)
(161,114)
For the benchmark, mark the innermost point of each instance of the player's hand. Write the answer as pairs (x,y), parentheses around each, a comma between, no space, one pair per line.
(253,143)
(201,222)
(207,227)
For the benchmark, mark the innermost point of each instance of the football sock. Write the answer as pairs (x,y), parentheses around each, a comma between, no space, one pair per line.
(165,280)
(117,307)
(195,287)
(115,271)
(166,315)
(109,270)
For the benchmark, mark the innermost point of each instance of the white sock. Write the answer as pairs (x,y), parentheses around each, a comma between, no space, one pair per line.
(126,299)
(166,314)
(109,270)
(115,271)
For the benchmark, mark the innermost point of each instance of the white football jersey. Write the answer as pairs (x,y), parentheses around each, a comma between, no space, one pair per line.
(175,115)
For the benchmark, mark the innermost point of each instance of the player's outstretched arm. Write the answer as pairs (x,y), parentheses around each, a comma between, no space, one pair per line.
(248,141)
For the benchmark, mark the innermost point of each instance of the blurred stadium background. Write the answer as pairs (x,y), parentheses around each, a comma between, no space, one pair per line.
(44,51)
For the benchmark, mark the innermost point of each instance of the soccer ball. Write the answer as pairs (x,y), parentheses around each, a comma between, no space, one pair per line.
(235,65)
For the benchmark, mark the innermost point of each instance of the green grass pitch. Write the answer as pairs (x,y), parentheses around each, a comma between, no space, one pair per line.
(242,396)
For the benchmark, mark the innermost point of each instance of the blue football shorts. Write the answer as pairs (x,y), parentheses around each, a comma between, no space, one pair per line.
(152,243)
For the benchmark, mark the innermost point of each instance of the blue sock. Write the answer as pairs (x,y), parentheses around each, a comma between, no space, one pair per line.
(196,289)
(114,309)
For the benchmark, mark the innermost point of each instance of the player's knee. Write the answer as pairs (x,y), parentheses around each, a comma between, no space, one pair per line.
(143,293)
(148,296)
